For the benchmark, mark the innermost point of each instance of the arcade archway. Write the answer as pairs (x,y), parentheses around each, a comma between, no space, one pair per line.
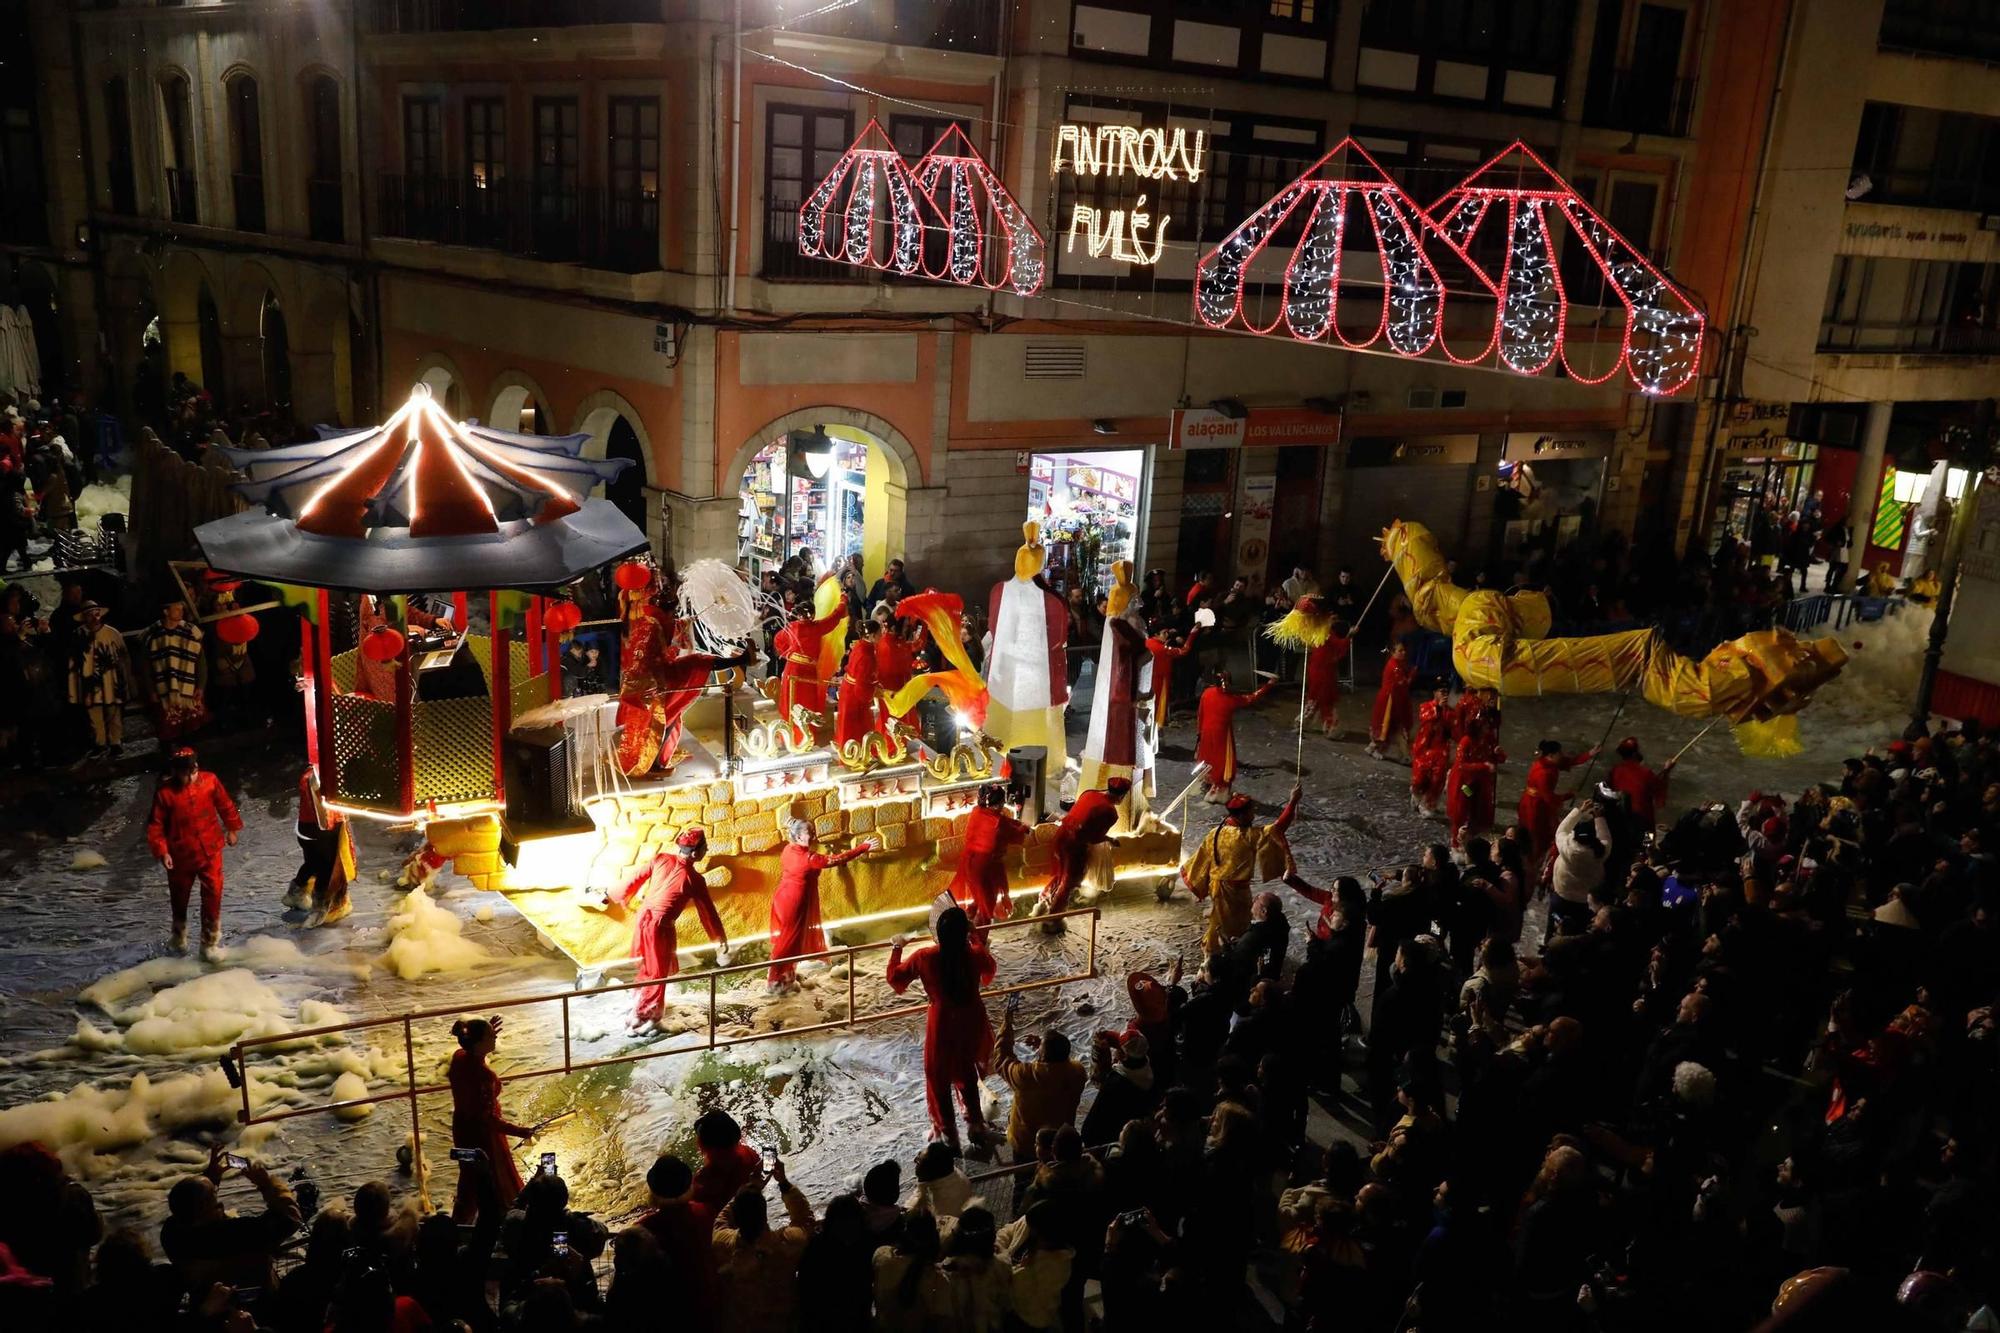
(833,480)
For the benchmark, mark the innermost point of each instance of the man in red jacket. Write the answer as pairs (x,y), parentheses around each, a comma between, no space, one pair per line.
(980,886)
(1088,823)
(1643,789)
(192,820)
(666,888)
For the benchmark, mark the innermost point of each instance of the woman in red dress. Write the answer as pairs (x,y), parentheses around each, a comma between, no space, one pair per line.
(492,1181)
(856,715)
(1389,722)
(795,903)
(958,1037)
(1323,678)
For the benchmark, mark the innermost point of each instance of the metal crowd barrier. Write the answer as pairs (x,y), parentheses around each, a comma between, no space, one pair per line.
(412,1090)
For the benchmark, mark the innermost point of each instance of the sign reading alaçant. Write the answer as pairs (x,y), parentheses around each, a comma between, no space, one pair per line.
(1090,151)
(1530,447)
(1408,450)
(1264,428)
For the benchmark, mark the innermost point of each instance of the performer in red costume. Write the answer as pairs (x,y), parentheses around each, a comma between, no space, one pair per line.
(1469,787)
(1323,678)
(798,645)
(670,883)
(958,1037)
(980,886)
(895,665)
(1215,731)
(1643,789)
(192,820)
(1389,721)
(1088,823)
(858,713)
(1431,750)
(1167,648)
(487,1185)
(1541,805)
(658,680)
(795,902)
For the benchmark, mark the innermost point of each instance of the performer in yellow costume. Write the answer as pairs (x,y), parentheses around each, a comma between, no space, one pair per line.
(1232,858)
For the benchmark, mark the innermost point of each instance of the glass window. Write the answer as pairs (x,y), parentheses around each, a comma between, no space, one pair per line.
(556,148)
(801,146)
(423,137)
(485,142)
(635,147)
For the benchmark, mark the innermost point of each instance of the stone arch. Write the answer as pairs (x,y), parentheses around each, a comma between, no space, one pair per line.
(250,281)
(184,277)
(616,430)
(511,391)
(893,469)
(442,376)
(322,347)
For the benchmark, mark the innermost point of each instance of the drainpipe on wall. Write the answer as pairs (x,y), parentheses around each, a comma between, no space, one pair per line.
(735,157)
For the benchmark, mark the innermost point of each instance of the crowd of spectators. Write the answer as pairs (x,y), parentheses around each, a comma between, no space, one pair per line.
(1750,1079)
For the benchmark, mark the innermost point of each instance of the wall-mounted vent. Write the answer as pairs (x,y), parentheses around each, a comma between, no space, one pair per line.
(1451,398)
(1421,400)
(1055,361)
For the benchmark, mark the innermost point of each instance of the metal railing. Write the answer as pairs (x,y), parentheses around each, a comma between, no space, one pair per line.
(413,1091)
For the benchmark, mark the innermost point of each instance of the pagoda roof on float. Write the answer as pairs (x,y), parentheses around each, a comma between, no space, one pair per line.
(422,503)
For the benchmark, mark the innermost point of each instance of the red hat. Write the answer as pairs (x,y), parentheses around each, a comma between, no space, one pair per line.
(1239,804)
(1774,828)
(1148,996)
(691,836)
(1118,786)
(1628,746)
(182,752)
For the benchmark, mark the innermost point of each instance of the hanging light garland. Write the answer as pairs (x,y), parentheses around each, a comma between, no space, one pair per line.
(871,189)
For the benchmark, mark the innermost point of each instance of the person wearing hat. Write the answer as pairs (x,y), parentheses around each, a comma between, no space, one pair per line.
(1644,790)
(980,886)
(1475,766)
(1128,1087)
(665,888)
(1232,857)
(191,821)
(1215,731)
(100,679)
(1541,806)
(1088,823)
(795,921)
(173,666)
(958,1036)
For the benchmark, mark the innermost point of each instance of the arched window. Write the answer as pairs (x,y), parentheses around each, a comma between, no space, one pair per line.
(326,210)
(178,115)
(246,153)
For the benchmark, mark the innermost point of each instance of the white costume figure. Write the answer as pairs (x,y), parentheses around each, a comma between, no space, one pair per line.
(1027,659)
(1120,741)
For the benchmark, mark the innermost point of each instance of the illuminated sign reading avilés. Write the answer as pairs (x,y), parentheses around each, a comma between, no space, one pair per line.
(1124,150)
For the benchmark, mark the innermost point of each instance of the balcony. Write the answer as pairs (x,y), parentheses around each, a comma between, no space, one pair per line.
(326,211)
(1966,336)
(592,227)
(1640,102)
(183,199)
(417,16)
(949,25)
(1965,29)
(248,192)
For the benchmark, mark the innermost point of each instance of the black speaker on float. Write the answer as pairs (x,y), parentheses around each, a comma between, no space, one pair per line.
(537,769)
(1029,769)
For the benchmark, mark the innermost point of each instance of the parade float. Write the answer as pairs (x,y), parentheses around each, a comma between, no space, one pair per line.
(1501,641)
(432,721)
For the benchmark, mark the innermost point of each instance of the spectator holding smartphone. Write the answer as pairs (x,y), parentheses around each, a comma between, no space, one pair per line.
(757,1266)
(206,1244)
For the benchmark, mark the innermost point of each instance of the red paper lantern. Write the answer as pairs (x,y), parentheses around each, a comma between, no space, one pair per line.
(238,629)
(383,644)
(633,575)
(562,617)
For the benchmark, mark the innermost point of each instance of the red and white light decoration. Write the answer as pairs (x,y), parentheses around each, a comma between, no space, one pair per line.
(1659,345)
(873,210)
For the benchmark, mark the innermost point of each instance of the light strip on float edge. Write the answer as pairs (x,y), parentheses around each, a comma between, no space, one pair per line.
(388,435)
(503,465)
(447,429)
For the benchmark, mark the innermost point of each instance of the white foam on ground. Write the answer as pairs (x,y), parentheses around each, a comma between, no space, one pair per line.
(96,500)
(87,859)
(425,938)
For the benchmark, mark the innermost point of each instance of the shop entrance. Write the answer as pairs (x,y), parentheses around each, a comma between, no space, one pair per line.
(1089,505)
(827,488)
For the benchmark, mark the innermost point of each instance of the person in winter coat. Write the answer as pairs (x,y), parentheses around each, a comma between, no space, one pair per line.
(757,1267)
(1046,1089)
(1581,850)
(192,820)
(173,664)
(684,1231)
(958,1036)
(979,1286)
(100,679)
(1127,1090)
(941,1189)
(1041,1264)
(910,1294)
